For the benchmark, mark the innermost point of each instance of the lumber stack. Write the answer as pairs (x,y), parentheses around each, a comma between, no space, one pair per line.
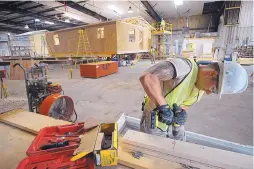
(182,152)
(17,73)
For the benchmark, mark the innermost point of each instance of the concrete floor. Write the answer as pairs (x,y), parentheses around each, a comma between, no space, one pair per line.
(106,98)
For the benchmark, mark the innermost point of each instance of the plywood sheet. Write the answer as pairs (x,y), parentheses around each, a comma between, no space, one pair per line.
(141,43)
(69,40)
(13,147)
(29,121)
(17,73)
(185,153)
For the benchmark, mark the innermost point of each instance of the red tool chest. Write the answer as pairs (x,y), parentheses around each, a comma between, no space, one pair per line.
(99,69)
(56,158)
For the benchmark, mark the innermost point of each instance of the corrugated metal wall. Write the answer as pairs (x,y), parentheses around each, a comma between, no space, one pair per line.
(241,34)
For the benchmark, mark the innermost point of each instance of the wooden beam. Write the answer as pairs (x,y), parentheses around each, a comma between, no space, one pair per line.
(29,121)
(145,162)
(185,153)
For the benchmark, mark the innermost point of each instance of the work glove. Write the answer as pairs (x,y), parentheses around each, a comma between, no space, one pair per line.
(180,115)
(165,114)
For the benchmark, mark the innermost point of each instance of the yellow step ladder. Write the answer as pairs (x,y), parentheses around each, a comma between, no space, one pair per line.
(84,49)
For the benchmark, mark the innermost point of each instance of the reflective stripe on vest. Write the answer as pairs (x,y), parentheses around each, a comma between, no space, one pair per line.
(185,93)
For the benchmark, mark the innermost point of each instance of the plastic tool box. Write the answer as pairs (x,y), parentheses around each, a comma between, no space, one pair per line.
(99,69)
(56,134)
(103,147)
(56,158)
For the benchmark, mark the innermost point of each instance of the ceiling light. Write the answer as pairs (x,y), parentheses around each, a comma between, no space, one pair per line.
(37,20)
(112,7)
(69,15)
(8,34)
(178,2)
(27,27)
(50,23)
(67,20)
(130,10)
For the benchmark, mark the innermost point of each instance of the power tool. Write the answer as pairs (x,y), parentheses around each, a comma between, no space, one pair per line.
(175,126)
(155,123)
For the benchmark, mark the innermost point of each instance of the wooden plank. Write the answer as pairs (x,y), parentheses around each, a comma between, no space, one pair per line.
(185,153)
(145,162)
(29,121)
(13,145)
(245,61)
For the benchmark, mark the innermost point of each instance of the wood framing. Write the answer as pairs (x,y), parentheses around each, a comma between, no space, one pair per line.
(39,44)
(105,39)
(126,122)
(185,153)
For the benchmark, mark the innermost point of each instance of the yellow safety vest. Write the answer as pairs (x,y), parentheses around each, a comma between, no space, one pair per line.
(185,93)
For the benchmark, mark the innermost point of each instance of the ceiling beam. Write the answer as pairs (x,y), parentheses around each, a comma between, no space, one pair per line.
(41,12)
(31,26)
(34,15)
(33,7)
(13,30)
(17,27)
(19,3)
(151,11)
(84,10)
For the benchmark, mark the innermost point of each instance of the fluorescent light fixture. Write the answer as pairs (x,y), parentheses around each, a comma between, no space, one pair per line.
(27,27)
(130,10)
(67,14)
(37,20)
(178,2)
(67,20)
(50,23)
(112,7)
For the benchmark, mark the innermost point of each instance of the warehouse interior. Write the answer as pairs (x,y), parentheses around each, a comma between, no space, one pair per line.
(78,77)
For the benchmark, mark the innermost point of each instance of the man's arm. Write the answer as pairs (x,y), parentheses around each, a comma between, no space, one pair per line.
(151,78)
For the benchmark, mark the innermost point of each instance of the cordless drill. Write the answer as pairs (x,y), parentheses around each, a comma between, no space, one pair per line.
(155,123)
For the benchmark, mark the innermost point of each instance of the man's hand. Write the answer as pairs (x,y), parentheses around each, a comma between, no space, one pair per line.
(165,114)
(180,115)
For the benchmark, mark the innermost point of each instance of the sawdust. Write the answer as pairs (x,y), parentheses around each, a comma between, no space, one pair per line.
(8,104)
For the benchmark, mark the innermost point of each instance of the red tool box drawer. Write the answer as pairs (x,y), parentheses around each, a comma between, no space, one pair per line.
(53,134)
(99,69)
(59,160)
